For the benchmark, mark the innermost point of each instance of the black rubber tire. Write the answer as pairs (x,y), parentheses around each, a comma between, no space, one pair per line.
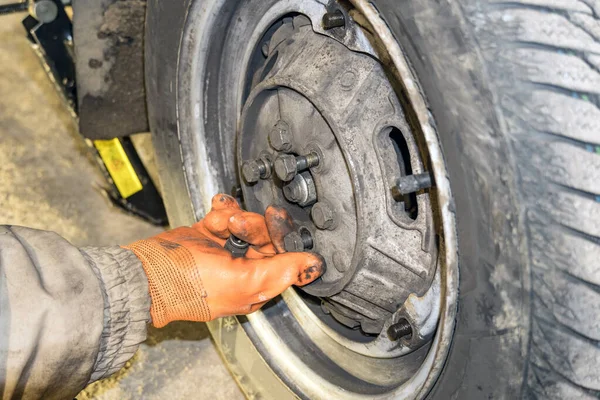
(513,88)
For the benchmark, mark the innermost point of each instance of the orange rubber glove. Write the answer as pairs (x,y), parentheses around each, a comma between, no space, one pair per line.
(192,277)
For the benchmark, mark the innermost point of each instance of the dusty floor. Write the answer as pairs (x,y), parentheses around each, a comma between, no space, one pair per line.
(47,182)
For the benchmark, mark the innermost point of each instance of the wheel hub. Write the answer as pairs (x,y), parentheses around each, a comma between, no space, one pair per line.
(324,135)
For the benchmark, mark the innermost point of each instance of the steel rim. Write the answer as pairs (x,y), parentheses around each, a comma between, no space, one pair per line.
(305,379)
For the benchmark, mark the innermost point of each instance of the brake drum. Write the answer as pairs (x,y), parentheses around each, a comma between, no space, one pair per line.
(315,98)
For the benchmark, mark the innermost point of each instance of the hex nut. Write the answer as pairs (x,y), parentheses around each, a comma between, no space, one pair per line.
(251,171)
(293,191)
(280,137)
(293,242)
(323,215)
(285,167)
(301,190)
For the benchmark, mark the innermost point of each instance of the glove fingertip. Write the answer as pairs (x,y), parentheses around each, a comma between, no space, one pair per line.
(314,268)
(222,200)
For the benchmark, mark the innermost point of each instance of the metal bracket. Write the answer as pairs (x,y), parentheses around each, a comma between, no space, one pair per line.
(51,35)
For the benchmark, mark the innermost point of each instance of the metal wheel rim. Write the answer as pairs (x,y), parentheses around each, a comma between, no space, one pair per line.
(310,383)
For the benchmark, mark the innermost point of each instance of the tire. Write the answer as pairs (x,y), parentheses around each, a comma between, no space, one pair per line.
(513,89)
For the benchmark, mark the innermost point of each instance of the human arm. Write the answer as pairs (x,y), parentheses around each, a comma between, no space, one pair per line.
(83,312)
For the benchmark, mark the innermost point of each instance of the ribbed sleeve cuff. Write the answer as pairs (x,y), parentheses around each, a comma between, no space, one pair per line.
(126,306)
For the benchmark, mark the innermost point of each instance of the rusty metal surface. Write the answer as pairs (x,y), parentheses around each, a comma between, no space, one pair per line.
(108,37)
(378,254)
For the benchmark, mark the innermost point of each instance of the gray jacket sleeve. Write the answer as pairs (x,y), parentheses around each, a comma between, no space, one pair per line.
(68,316)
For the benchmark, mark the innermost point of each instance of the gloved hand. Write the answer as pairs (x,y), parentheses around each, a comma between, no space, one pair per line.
(192,277)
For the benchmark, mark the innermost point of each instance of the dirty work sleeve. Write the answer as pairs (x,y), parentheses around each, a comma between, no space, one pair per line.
(68,316)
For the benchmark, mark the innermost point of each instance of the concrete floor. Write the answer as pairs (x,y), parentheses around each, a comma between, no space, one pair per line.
(47,181)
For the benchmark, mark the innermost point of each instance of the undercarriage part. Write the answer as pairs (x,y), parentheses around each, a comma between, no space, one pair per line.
(340,145)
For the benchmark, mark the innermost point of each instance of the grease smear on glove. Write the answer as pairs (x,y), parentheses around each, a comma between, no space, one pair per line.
(193,278)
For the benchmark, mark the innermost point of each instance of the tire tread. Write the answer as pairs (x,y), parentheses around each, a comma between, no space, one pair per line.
(552,117)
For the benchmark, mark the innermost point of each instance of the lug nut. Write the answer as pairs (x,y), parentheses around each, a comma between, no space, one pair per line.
(253,170)
(301,190)
(333,20)
(399,330)
(323,215)
(412,183)
(287,166)
(280,137)
(298,241)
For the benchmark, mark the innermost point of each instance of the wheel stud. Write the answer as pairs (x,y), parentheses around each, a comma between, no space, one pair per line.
(323,215)
(298,241)
(253,170)
(333,20)
(287,166)
(412,183)
(399,330)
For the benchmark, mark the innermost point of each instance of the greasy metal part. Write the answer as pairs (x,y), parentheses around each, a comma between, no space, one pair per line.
(280,136)
(236,246)
(323,215)
(399,330)
(333,19)
(348,113)
(413,183)
(297,241)
(301,190)
(287,166)
(109,38)
(293,242)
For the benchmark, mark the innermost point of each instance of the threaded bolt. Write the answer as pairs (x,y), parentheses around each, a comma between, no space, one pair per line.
(298,241)
(287,166)
(412,183)
(333,20)
(400,330)
(253,170)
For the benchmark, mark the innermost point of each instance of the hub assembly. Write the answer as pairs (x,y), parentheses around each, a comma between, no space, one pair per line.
(337,152)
